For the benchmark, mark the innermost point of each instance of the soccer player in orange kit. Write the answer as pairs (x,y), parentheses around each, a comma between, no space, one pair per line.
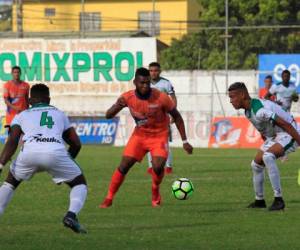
(15,94)
(149,108)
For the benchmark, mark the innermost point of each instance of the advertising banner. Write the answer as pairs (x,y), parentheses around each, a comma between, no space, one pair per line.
(95,130)
(91,130)
(76,60)
(275,64)
(235,132)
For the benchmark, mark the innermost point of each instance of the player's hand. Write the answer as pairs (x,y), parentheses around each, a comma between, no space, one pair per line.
(188,148)
(295,97)
(1,167)
(121,102)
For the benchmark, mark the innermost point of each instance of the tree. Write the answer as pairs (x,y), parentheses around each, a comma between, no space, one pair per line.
(245,44)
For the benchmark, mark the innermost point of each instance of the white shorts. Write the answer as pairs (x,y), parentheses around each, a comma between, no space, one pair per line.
(57,163)
(282,138)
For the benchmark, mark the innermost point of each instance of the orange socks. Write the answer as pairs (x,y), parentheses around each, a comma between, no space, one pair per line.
(156,180)
(116,181)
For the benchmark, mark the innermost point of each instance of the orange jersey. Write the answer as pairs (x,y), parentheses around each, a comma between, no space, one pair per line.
(151,114)
(17,95)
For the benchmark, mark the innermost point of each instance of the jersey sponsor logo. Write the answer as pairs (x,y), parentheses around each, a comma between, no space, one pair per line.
(40,138)
(153,105)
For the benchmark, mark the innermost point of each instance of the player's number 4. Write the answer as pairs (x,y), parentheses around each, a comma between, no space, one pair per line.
(46,120)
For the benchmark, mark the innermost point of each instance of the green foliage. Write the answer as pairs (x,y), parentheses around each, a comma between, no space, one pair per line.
(207,47)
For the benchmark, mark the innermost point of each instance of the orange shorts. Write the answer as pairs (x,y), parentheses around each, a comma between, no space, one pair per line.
(138,145)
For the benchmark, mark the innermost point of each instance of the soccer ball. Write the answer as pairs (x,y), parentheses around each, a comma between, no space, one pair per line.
(182,188)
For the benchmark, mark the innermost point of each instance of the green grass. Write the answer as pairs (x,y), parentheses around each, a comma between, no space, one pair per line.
(214,218)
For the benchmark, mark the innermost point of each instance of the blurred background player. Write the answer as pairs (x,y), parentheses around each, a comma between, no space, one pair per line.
(268,81)
(45,129)
(279,129)
(164,85)
(15,94)
(150,108)
(285,91)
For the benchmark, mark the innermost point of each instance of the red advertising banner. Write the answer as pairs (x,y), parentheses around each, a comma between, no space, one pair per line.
(235,132)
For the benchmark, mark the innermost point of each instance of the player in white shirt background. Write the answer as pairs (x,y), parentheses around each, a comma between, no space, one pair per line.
(281,136)
(285,91)
(44,129)
(163,85)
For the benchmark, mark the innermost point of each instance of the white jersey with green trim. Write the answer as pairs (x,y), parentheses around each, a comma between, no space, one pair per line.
(43,126)
(263,114)
(284,94)
(163,85)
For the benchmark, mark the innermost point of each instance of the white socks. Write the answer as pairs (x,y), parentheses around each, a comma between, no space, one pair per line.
(270,163)
(6,193)
(169,162)
(258,180)
(77,198)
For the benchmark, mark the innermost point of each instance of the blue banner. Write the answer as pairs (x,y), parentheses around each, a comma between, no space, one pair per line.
(95,130)
(3,130)
(274,64)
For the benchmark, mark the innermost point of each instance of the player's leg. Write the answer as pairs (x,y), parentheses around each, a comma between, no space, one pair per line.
(169,163)
(117,180)
(158,163)
(133,152)
(64,169)
(258,171)
(78,195)
(22,168)
(159,152)
(7,190)
(269,159)
(149,170)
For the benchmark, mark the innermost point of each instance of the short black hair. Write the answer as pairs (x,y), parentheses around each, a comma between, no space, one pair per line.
(142,72)
(269,77)
(39,90)
(16,67)
(238,86)
(286,72)
(154,64)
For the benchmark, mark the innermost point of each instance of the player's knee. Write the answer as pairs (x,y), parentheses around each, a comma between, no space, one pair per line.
(158,170)
(12,180)
(268,157)
(256,167)
(79,180)
(124,169)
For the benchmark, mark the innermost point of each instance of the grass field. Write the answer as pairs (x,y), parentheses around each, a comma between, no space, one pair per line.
(214,218)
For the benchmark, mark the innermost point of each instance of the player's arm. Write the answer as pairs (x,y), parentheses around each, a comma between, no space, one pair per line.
(268,96)
(72,139)
(181,128)
(295,97)
(287,127)
(27,98)
(116,108)
(11,145)
(8,104)
(174,99)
